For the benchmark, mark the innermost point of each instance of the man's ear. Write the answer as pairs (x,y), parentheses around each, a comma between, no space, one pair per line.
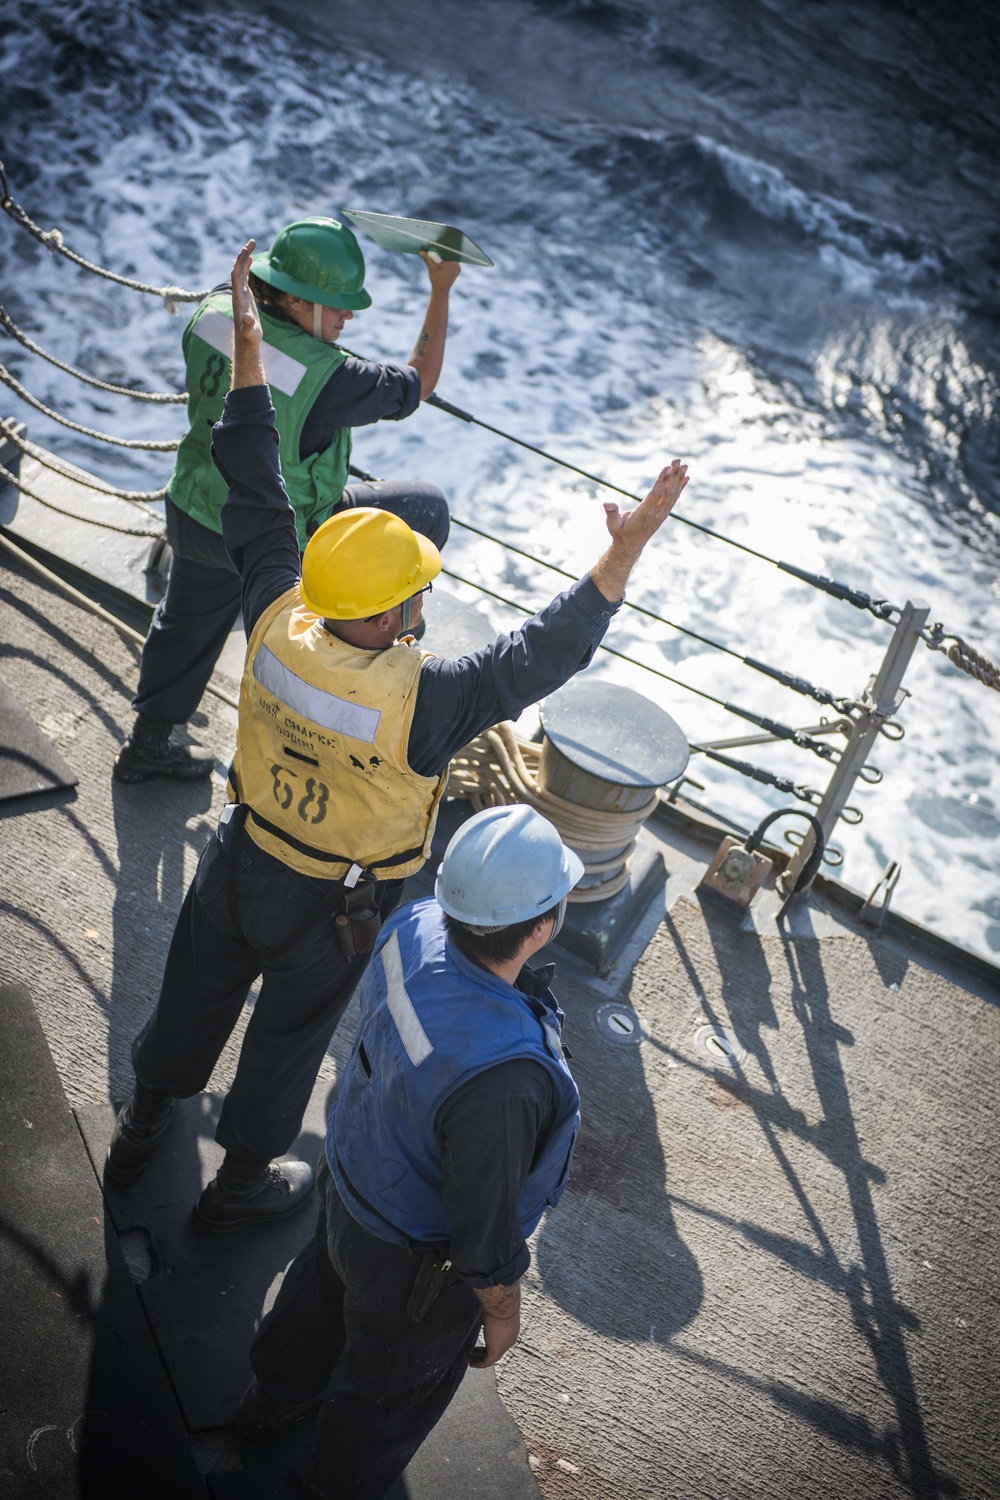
(542,930)
(388,622)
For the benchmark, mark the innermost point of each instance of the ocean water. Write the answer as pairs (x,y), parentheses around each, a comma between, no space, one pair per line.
(762,238)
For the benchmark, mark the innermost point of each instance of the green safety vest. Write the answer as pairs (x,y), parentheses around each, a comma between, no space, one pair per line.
(297,367)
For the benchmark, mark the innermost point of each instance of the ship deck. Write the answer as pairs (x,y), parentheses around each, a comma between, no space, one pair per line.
(773,1272)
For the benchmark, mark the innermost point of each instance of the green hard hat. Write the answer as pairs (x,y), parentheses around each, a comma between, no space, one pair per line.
(318,260)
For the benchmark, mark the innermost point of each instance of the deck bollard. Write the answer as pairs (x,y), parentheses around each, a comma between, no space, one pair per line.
(608,749)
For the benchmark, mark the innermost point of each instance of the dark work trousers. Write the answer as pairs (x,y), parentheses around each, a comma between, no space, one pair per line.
(210,968)
(341,1313)
(192,621)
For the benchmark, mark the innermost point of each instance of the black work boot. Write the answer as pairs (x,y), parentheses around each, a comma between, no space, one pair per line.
(149,752)
(245,1193)
(258,1419)
(139,1129)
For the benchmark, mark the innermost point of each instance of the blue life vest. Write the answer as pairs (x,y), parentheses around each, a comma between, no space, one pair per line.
(430,1021)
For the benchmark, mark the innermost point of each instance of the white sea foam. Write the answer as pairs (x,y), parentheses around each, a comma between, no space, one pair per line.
(865,253)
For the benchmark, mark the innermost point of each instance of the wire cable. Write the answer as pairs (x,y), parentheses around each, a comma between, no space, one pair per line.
(798,684)
(778,730)
(880,608)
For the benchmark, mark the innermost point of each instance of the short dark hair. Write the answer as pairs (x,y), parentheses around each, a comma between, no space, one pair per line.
(494,947)
(263,292)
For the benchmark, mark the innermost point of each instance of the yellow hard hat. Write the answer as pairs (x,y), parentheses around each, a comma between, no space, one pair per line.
(363,561)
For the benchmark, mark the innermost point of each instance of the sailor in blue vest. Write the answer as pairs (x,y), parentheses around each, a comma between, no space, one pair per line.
(452,1133)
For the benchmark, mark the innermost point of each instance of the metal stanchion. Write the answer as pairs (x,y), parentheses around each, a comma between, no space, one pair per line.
(880,701)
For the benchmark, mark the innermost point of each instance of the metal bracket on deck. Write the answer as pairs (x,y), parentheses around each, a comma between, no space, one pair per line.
(876,907)
(881,700)
(736,873)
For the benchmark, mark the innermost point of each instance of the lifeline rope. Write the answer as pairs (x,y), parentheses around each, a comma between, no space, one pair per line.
(79,476)
(164,397)
(165,446)
(498,768)
(10,478)
(52,240)
(967,659)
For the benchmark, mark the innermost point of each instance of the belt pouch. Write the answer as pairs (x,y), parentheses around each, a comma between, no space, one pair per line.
(429,1276)
(360,922)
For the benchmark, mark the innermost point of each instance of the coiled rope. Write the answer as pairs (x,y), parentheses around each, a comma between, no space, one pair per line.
(52,239)
(498,768)
(163,397)
(154,446)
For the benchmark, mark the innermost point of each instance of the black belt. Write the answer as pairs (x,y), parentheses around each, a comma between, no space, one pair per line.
(322,854)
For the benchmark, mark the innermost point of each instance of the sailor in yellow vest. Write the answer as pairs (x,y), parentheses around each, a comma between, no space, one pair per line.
(307,287)
(346,729)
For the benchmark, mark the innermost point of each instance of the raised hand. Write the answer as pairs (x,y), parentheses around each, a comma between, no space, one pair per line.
(630,530)
(246,322)
(633,528)
(442,274)
(248,366)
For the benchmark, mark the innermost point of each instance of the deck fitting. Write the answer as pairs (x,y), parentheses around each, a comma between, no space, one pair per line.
(618,1023)
(719,1045)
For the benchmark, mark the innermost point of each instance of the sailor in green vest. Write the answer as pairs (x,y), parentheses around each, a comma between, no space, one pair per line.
(307,287)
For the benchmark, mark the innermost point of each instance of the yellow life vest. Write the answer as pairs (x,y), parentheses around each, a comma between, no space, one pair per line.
(321,750)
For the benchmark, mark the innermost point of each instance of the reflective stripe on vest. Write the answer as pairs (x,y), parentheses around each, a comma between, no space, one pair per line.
(411,1033)
(281,371)
(312,702)
(297,367)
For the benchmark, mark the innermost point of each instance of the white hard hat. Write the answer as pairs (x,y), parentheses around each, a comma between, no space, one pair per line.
(505,865)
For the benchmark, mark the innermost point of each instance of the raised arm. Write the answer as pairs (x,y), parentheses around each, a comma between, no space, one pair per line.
(456,700)
(428,351)
(258,525)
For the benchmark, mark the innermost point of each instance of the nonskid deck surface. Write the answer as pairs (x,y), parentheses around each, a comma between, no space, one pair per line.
(773,1277)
